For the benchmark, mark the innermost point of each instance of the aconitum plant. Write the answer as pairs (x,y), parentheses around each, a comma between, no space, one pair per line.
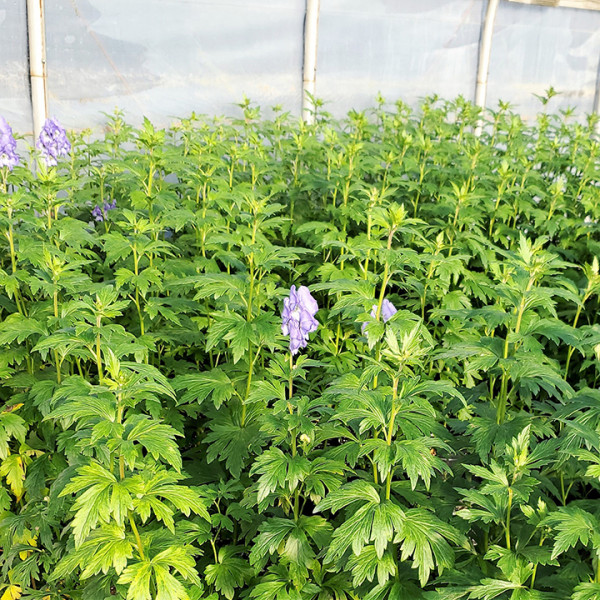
(298,317)
(153,444)
(53,142)
(8,146)
(99,213)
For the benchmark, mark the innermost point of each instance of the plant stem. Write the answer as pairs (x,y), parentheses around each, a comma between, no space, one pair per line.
(510,498)
(138,539)
(291,381)
(575,320)
(98,351)
(533,573)
(390,432)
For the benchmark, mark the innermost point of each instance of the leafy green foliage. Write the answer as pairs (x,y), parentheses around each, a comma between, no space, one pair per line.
(158,441)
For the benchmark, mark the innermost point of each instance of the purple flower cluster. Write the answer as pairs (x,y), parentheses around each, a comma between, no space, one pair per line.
(388,310)
(99,213)
(53,142)
(298,317)
(8,146)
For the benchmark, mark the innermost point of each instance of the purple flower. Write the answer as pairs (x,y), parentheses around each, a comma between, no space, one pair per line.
(298,317)
(53,142)
(388,310)
(8,146)
(99,214)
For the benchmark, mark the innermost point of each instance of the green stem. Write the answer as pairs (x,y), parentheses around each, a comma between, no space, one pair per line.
(502,399)
(390,432)
(138,539)
(291,381)
(577,315)
(98,350)
(508,510)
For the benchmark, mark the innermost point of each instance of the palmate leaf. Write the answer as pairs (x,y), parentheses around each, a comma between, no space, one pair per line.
(158,571)
(572,525)
(425,538)
(266,391)
(146,378)
(365,565)
(157,438)
(231,442)
(532,374)
(370,406)
(13,469)
(418,461)
(372,522)
(231,327)
(11,426)
(229,573)
(163,486)
(290,539)
(18,328)
(278,584)
(355,491)
(83,409)
(198,387)
(492,588)
(107,547)
(325,475)
(586,591)
(277,469)
(216,285)
(493,507)
(104,497)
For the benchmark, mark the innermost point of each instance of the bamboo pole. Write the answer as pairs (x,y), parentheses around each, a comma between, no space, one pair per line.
(309,70)
(37,63)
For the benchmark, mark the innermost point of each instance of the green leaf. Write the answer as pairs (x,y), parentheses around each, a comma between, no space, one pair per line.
(492,588)
(572,525)
(229,573)
(198,387)
(157,438)
(355,491)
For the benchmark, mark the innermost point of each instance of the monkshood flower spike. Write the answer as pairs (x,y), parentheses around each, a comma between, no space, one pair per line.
(99,214)
(388,310)
(53,142)
(8,146)
(298,317)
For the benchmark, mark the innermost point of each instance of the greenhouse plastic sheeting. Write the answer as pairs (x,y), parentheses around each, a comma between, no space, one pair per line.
(166,58)
(15,103)
(411,49)
(404,50)
(535,47)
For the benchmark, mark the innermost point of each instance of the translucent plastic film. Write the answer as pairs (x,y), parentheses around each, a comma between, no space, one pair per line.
(15,105)
(165,59)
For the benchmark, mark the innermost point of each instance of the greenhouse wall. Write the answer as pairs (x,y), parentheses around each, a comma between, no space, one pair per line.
(166,58)
(15,102)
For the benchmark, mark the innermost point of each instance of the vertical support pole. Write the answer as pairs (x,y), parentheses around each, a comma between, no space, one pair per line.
(309,69)
(37,63)
(485,49)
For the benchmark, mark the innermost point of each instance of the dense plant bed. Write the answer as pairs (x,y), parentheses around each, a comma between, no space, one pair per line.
(268,360)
